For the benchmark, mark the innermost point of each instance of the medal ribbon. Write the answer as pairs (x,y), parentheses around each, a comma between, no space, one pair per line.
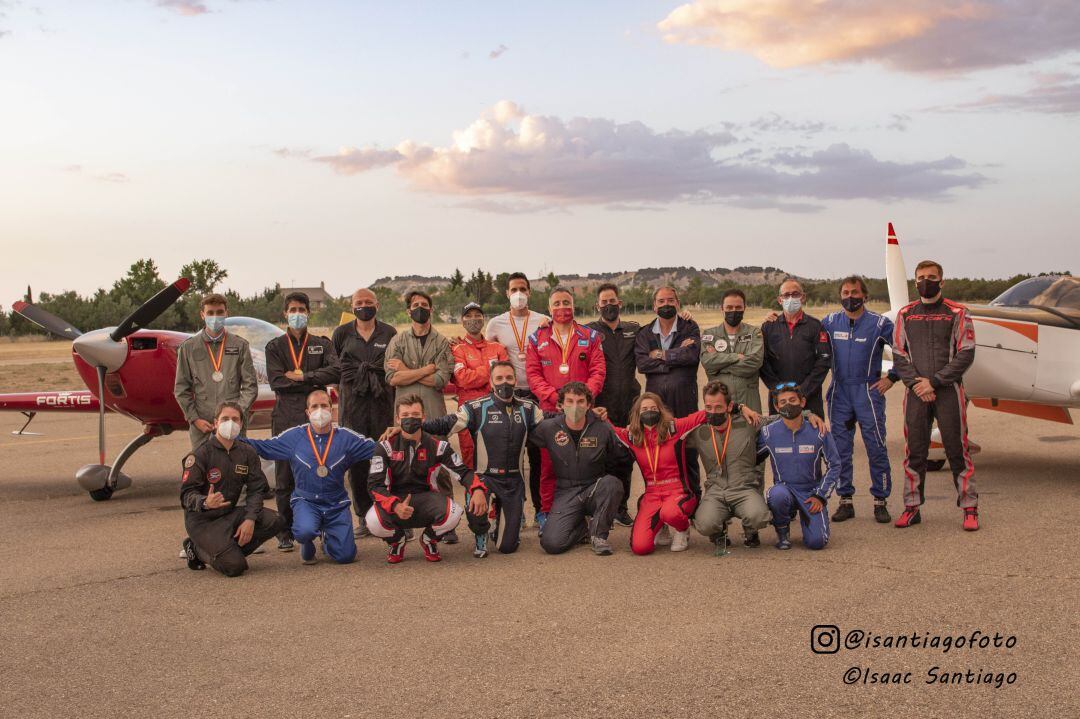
(321,460)
(221,352)
(298,358)
(565,346)
(727,435)
(654,460)
(520,338)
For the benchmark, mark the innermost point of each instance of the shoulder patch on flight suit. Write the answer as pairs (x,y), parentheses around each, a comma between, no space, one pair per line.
(588,443)
(376,465)
(455,458)
(823,337)
(241,469)
(189,461)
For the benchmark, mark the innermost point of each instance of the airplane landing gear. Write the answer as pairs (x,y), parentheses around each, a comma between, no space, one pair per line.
(101,480)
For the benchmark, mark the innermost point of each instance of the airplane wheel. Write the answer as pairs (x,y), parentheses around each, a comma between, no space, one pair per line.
(935,465)
(100,495)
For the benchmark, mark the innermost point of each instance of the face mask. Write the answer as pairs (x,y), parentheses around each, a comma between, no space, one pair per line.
(927,288)
(297,320)
(791,305)
(667,312)
(214,323)
(504,391)
(411,425)
(228,429)
(716,419)
(563,315)
(519,300)
(319,417)
(789,411)
(610,312)
(574,414)
(733,318)
(473,326)
(364,314)
(420,315)
(852,304)
(650,417)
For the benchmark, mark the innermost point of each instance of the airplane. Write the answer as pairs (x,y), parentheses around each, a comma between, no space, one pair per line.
(1027,345)
(133,369)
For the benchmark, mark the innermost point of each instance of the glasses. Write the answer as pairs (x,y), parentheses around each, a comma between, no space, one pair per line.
(791,295)
(785,385)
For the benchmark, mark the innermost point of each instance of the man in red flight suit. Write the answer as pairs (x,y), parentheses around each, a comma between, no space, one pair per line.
(473,357)
(562,352)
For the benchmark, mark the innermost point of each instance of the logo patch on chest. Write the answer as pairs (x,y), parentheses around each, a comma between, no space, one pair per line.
(315,349)
(421,454)
(397,456)
(562,438)
(494,417)
(588,443)
(721,345)
(807,449)
(839,335)
(213,476)
(784,450)
(232,350)
(241,469)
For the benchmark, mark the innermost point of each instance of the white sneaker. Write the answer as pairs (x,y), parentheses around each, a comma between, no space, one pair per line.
(680,541)
(664,537)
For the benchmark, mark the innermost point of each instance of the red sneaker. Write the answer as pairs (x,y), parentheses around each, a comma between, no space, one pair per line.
(971,519)
(909,517)
(431,548)
(396,551)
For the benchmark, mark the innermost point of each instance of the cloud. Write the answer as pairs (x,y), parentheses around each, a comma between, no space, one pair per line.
(113,177)
(511,208)
(774,123)
(914,35)
(510,154)
(497,52)
(1057,93)
(188,8)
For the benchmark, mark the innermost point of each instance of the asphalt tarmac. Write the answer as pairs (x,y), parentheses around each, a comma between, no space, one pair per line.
(100,618)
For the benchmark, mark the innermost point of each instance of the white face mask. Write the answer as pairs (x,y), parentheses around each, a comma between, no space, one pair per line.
(791,305)
(319,417)
(228,429)
(519,300)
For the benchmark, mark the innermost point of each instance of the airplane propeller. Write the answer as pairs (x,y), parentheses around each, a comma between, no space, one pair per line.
(106,351)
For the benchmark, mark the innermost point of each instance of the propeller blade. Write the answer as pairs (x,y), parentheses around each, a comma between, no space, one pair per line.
(46,320)
(151,309)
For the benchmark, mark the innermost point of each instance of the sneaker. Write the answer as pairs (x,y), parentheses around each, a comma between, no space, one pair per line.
(971,519)
(493,533)
(751,538)
(624,519)
(192,557)
(663,538)
(480,550)
(450,537)
(430,546)
(601,546)
(307,552)
(541,520)
(284,544)
(361,530)
(680,541)
(783,538)
(845,511)
(881,512)
(909,517)
(395,551)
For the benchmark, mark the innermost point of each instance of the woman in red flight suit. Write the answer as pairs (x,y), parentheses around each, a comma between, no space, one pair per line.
(652,435)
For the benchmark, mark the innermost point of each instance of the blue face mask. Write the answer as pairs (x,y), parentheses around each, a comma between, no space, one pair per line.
(214,323)
(297,320)
(791,305)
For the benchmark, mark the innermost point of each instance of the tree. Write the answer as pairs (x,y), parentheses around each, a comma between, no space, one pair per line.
(205,275)
(552,281)
(457,279)
(479,288)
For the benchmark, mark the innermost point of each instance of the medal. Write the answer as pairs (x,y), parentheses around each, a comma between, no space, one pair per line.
(654,460)
(321,470)
(519,338)
(564,368)
(717,452)
(564,345)
(298,357)
(216,361)
(521,356)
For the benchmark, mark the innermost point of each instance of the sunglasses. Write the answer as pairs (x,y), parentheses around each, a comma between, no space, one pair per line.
(785,385)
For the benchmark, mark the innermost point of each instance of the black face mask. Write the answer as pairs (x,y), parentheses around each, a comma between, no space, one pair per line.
(364,313)
(667,312)
(650,418)
(610,313)
(716,419)
(420,315)
(411,425)
(852,304)
(789,411)
(733,318)
(928,288)
(504,391)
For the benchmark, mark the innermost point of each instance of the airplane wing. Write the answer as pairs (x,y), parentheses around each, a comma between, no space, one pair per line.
(62,401)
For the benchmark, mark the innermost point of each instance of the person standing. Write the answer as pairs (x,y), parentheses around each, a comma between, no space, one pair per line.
(213,366)
(857,395)
(732,352)
(366,400)
(297,363)
(797,348)
(621,387)
(511,330)
(418,361)
(933,346)
(473,358)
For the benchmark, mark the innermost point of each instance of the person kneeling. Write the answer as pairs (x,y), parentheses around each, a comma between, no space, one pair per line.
(220,533)
(405,490)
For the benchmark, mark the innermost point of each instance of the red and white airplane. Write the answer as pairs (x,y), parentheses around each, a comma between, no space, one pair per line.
(130,371)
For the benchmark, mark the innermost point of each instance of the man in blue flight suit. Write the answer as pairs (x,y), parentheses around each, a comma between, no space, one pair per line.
(319,453)
(796,450)
(857,394)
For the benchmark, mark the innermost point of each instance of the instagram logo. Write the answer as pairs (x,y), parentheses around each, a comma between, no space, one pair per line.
(825,639)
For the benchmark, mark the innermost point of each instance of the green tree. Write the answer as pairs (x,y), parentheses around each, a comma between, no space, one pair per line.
(552,281)
(457,279)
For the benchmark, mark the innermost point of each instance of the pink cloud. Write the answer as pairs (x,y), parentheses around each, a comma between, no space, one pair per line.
(188,8)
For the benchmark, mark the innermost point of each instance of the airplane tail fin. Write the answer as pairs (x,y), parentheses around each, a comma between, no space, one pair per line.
(895,274)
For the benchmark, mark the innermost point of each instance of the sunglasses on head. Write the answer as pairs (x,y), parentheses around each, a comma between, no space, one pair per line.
(785,385)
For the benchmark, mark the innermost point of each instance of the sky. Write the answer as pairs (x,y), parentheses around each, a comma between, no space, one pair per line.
(299,141)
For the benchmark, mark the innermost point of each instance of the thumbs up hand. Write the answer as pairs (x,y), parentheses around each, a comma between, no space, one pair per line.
(403,509)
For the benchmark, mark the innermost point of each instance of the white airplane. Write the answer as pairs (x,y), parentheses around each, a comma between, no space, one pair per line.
(1027,346)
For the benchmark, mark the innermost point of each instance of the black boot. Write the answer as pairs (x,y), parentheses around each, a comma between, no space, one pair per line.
(750,538)
(193,561)
(783,537)
(881,512)
(845,511)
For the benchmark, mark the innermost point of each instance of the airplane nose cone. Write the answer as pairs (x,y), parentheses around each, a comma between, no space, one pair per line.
(99,350)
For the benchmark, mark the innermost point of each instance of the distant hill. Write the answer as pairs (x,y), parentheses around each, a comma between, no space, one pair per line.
(680,277)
